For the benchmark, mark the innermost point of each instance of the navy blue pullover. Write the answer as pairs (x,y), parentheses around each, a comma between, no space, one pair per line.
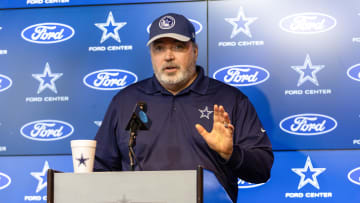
(173,143)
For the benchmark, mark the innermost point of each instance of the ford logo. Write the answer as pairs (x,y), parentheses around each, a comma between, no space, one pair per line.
(197,25)
(5,83)
(308,124)
(47,33)
(243,184)
(109,79)
(354,176)
(47,130)
(354,72)
(307,23)
(242,75)
(4,180)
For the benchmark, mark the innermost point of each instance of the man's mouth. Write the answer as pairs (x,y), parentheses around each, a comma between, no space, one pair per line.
(170,68)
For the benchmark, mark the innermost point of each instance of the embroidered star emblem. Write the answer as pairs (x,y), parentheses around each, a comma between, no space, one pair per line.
(308,71)
(82,160)
(308,174)
(241,23)
(110,28)
(205,113)
(40,176)
(47,79)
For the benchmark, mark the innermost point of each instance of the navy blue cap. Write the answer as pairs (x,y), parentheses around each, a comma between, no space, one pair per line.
(172,25)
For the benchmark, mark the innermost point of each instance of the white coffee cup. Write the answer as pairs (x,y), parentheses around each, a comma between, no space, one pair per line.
(83,155)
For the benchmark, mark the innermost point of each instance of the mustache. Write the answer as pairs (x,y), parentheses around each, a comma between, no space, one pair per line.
(169,65)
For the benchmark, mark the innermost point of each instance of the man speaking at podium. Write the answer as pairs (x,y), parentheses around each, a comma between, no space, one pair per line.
(188,120)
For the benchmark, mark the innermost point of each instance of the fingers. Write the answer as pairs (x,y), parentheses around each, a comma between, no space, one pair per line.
(202,131)
(220,115)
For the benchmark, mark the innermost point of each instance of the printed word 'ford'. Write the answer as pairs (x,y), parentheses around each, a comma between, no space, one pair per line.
(242,75)
(47,33)
(47,130)
(307,23)
(109,79)
(308,124)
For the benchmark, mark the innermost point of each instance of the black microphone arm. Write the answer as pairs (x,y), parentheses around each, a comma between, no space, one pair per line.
(138,121)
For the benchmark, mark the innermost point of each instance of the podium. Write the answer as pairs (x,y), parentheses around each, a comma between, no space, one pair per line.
(175,186)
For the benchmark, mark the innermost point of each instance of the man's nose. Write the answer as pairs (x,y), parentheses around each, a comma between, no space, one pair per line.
(169,55)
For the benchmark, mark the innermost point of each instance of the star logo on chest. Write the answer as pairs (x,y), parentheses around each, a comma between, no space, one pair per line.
(205,113)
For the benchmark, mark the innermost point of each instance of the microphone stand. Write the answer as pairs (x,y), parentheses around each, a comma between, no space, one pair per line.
(132,142)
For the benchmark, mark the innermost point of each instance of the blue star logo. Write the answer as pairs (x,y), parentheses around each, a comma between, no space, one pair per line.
(110,28)
(241,23)
(308,174)
(205,113)
(308,71)
(47,79)
(40,176)
(82,160)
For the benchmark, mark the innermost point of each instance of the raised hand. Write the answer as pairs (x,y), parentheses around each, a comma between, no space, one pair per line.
(220,139)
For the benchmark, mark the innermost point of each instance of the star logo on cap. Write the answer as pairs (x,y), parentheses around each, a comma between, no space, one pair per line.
(241,23)
(167,22)
(110,28)
(308,174)
(82,160)
(205,113)
(40,177)
(47,79)
(308,71)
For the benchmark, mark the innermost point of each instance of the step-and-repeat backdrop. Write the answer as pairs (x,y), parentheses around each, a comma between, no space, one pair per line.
(61,62)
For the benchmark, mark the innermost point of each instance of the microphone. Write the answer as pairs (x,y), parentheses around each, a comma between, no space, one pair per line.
(139,119)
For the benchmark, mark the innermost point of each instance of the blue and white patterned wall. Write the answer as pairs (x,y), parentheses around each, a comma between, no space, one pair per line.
(297,61)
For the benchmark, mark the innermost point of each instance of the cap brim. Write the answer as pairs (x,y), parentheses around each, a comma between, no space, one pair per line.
(171,35)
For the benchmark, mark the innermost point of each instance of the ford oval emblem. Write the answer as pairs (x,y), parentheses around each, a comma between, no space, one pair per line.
(47,130)
(242,75)
(354,72)
(308,124)
(5,83)
(47,33)
(109,79)
(5,181)
(354,176)
(307,23)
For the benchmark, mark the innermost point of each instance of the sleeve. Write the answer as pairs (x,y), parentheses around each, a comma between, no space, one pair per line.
(107,155)
(252,156)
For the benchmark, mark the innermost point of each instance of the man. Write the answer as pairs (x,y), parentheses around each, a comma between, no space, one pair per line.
(196,120)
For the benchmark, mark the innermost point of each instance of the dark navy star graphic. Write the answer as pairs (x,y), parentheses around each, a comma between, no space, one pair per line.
(47,79)
(241,23)
(168,21)
(82,160)
(308,71)
(110,28)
